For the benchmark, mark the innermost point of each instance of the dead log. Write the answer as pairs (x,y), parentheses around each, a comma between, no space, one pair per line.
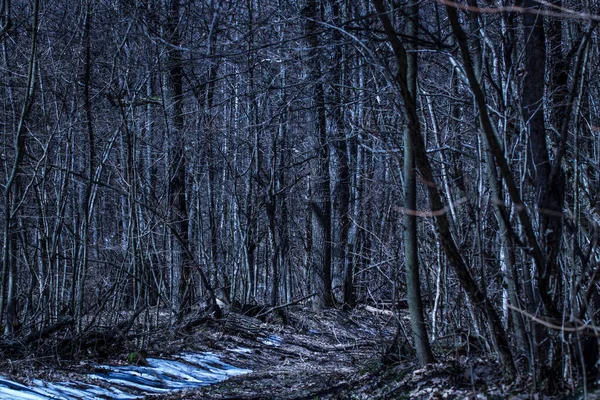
(242,325)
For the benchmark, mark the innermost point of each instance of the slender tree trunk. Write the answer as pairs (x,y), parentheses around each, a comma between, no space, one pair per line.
(81,276)
(12,194)
(411,252)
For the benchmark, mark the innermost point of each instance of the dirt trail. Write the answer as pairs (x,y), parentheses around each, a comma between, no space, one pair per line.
(312,356)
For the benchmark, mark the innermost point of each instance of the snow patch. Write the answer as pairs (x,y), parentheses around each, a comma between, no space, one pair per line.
(189,370)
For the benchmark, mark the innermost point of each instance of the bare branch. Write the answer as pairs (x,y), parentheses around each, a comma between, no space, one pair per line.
(565,14)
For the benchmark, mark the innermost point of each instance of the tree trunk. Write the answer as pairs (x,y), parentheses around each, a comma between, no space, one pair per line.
(320,200)
(12,195)
(411,251)
(177,166)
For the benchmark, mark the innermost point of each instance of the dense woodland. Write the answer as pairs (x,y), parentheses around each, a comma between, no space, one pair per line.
(158,155)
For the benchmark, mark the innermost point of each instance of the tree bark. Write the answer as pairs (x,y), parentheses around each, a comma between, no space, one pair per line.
(178,163)
(320,200)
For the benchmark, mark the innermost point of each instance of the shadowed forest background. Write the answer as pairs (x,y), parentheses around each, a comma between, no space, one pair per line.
(165,154)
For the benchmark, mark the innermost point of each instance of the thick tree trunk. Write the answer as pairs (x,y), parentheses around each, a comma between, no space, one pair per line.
(177,167)
(320,200)
(548,194)
(343,260)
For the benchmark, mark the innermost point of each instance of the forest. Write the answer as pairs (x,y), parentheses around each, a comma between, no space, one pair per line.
(434,157)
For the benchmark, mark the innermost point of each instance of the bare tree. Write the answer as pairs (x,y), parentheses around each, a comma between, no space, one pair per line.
(320,197)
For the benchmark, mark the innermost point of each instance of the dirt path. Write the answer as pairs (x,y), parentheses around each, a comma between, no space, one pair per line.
(313,356)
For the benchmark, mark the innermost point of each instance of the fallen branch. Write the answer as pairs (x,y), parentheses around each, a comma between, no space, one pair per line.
(378,311)
(48,331)
(292,303)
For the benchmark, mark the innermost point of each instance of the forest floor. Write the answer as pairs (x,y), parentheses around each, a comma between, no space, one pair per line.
(339,355)
(330,355)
